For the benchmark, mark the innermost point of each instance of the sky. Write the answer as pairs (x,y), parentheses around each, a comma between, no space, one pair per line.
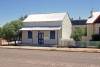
(13,9)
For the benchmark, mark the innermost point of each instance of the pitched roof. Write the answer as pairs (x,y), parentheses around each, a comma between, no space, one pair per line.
(79,22)
(45,17)
(95,15)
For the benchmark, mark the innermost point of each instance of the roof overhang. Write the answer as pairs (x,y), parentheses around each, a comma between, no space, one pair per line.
(40,28)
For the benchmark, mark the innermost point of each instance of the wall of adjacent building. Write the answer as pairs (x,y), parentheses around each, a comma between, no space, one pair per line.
(74,27)
(97,26)
(92,29)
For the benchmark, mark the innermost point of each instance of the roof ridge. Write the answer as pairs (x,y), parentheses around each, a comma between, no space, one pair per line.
(48,13)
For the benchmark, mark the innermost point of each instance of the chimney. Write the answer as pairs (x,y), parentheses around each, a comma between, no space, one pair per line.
(91,13)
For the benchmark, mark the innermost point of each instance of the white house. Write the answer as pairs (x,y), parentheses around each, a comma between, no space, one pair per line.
(45,29)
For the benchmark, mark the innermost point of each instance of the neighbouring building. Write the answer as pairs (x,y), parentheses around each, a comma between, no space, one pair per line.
(52,28)
(81,23)
(93,26)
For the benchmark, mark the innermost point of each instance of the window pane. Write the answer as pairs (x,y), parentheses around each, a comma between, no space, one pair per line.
(30,34)
(52,34)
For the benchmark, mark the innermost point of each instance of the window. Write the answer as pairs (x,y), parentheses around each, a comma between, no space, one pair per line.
(29,34)
(52,34)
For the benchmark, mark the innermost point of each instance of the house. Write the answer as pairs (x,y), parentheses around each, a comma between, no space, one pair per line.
(93,26)
(51,28)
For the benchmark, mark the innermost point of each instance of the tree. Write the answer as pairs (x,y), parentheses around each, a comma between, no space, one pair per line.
(7,32)
(78,33)
(10,30)
(23,17)
(0,32)
(17,24)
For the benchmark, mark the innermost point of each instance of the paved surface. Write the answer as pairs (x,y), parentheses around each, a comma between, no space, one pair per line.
(37,58)
(88,50)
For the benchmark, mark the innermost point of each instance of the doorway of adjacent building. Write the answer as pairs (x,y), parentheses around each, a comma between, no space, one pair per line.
(40,37)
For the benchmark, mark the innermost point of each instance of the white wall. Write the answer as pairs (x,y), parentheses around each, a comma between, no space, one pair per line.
(66,28)
(47,39)
(24,37)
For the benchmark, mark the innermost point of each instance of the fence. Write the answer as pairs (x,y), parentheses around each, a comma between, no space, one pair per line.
(80,44)
(94,44)
(76,44)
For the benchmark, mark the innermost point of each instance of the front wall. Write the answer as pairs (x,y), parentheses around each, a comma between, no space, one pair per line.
(97,26)
(25,38)
(47,39)
(92,29)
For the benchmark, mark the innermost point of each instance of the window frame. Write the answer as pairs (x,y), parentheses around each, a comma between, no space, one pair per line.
(29,34)
(52,35)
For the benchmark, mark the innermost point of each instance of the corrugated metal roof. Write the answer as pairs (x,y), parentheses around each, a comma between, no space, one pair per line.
(79,22)
(41,28)
(45,17)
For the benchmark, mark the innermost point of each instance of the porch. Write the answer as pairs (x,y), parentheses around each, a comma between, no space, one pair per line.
(41,35)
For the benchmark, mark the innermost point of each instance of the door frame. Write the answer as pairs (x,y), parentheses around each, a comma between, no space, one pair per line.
(40,37)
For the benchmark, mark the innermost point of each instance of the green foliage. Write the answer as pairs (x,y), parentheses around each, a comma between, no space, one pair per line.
(10,30)
(78,33)
(23,17)
(0,32)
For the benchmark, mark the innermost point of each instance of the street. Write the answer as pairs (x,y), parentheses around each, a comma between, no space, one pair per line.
(37,58)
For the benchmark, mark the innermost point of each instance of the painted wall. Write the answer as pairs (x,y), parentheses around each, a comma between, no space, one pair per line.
(97,26)
(92,29)
(47,39)
(66,28)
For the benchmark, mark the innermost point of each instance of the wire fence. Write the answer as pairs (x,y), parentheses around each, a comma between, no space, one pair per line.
(84,44)
(80,44)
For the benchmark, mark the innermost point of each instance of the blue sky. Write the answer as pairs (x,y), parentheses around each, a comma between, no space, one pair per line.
(13,9)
